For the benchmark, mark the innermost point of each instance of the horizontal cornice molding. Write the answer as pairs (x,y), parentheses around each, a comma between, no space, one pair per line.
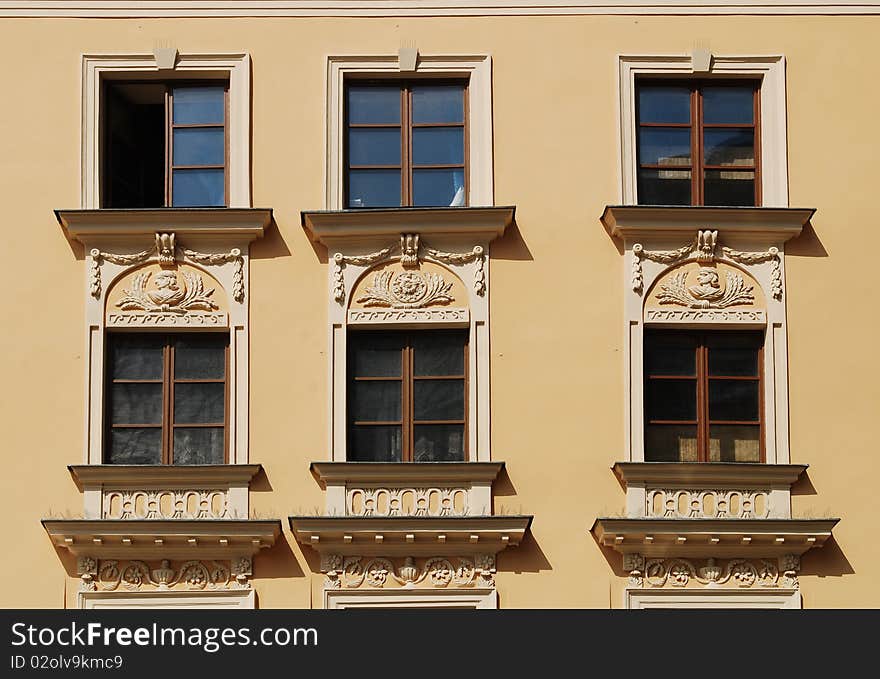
(393,8)
(138,476)
(405,472)
(708,473)
(248,223)
(483,223)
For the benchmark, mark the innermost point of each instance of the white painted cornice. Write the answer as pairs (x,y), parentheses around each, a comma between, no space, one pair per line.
(406,472)
(137,476)
(707,474)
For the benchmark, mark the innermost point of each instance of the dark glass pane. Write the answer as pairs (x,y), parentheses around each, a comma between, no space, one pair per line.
(665,146)
(438,353)
(726,187)
(136,403)
(733,400)
(374,444)
(670,355)
(728,105)
(438,188)
(199,146)
(733,361)
(135,446)
(376,355)
(729,146)
(664,104)
(438,399)
(438,443)
(136,357)
(373,104)
(198,188)
(200,357)
(194,105)
(438,104)
(671,400)
(374,146)
(196,403)
(664,187)
(199,445)
(734,443)
(373,188)
(670,443)
(438,146)
(375,401)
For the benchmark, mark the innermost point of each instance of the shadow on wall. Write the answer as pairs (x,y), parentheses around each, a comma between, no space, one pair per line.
(807,244)
(511,245)
(271,245)
(827,561)
(527,557)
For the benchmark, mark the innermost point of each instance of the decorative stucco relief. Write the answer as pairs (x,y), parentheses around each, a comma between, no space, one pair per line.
(742,573)
(167,504)
(404,501)
(109,575)
(706,316)
(407,290)
(356,316)
(708,292)
(704,503)
(436,571)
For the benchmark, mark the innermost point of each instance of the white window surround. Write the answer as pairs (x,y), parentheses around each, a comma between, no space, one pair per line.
(771,71)
(244,598)
(478,71)
(236,67)
(336,599)
(709,598)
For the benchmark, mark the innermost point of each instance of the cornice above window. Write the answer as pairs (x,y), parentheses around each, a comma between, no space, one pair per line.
(738,473)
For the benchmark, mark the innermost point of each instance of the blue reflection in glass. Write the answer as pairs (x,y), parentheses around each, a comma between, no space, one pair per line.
(728,105)
(194,105)
(438,104)
(438,188)
(374,146)
(199,146)
(373,104)
(665,146)
(373,188)
(438,146)
(664,104)
(198,188)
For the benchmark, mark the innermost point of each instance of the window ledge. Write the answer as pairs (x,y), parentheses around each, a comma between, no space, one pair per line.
(135,475)
(745,474)
(478,222)
(329,473)
(761,223)
(247,223)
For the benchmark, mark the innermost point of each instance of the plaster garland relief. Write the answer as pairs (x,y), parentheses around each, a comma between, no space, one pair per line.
(134,575)
(744,573)
(434,572)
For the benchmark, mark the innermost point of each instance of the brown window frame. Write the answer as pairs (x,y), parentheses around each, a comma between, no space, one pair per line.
(168,382)
(697,126)
(407,377)
(406,166)
(702,377)
(170,126)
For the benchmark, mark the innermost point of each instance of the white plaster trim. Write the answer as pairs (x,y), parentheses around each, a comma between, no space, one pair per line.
(409,598)
(704,598)
(168,599)
(771,71)
(478,70)
(236,67)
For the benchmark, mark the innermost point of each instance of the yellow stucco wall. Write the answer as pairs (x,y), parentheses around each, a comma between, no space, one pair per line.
(556,281)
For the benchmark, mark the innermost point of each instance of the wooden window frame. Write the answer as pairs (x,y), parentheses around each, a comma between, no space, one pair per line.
(168,383)
(696,125)
(169,85)
(701,340)
(407,378)
(406,126)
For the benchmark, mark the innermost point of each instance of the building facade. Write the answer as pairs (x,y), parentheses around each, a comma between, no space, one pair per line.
(479,304)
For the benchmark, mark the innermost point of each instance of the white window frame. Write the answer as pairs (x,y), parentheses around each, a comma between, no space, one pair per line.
(236,67)
(337,599)
(771,71)
(478,71)
(157,599)
(711,598)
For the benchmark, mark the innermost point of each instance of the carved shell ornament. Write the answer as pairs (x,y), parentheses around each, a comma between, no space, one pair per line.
(406,290)
(167,294)
(708,293)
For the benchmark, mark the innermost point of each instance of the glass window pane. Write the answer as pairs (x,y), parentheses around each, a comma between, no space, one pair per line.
(733,361)
(375,401)
(664,187)
(733,400)
(670,443)
(664,104)
(734,443)
(728,104)
(438,188)
(373,104)
(374,444)
(376,355)
(193,105)
(438,353)
(136,403)
(438,443)
(196,403)
(729,146)
(438,104)
(199,188)
(438,400)
(670,355)
(727,187)
(374,146)
(199,445)
(373,188)
(200,357)
(136,357)
(671,400)
(438,146)
(665,146)
(135,446)
(199,146)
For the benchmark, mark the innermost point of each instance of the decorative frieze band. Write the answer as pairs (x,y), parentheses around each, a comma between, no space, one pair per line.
(736,572)
(162,320)
(434,572)
(457,314)
(706,315)
(412,501)
(167,504)
(707,504)
(134,575)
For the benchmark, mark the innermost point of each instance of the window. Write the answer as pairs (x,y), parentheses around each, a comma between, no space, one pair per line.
(165,144)
(166,399)
(405,144)
(407,396)
(698,142)
(703,397)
